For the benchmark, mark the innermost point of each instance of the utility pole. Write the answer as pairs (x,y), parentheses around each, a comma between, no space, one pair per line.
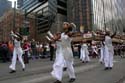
(14,15)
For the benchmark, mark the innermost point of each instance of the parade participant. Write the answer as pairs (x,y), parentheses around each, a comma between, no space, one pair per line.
(59,61)
(109,51)
(84,53)
(102,49)
(67,54)
(17,52)
(94,50)
(67,50)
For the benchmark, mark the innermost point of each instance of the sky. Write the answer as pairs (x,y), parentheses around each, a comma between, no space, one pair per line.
(12,2)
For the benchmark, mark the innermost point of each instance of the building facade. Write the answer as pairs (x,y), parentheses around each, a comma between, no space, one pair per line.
(86,14)
(19,3)
(108,14)
(5,5)
(7,24)
(60,15)
(49,15)
(80,13)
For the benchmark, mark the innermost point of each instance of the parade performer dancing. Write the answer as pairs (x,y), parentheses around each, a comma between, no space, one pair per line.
(59,61)
(84,53)
(109,51)
(17,52)
(65,54)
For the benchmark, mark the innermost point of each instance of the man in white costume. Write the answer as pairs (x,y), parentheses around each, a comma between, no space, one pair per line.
(109,51)
(17,52)
(67,55)
(84,53)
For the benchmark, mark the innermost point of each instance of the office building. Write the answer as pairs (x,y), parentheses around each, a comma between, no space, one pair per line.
(5,5)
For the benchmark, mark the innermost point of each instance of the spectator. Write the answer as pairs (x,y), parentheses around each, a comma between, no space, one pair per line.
(4,52)
(26,48)
(10,48)
(33,48)
(51,51)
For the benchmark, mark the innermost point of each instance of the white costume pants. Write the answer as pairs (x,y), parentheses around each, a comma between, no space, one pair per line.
(84,56)
(58,67)
(58,70)
(17,53)
(65,64)
(108,59)
(102,55)
(70,69)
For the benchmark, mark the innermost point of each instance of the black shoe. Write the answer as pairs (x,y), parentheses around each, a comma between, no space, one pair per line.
(65,68)
(57,81)
(23,69)
(106,68)
(12,71)
(83,61)
(26,62)
(101,62)
(72,80)
(110,68)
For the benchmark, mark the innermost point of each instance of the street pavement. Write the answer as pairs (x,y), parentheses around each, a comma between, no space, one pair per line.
(38,71)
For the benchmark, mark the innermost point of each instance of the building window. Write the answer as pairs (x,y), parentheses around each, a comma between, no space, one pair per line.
(61,11)
(62,4)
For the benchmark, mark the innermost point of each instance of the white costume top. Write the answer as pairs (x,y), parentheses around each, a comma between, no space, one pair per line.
(66,47)
(17,47)
(108,41)
(84,46)
(59,57)
(59,47)
(17,44)
(108,44)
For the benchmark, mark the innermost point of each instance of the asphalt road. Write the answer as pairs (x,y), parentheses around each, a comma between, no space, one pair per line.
(38,71)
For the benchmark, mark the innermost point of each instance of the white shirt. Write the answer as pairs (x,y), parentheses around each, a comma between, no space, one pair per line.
(17,43)
(108,41)
(66,47)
